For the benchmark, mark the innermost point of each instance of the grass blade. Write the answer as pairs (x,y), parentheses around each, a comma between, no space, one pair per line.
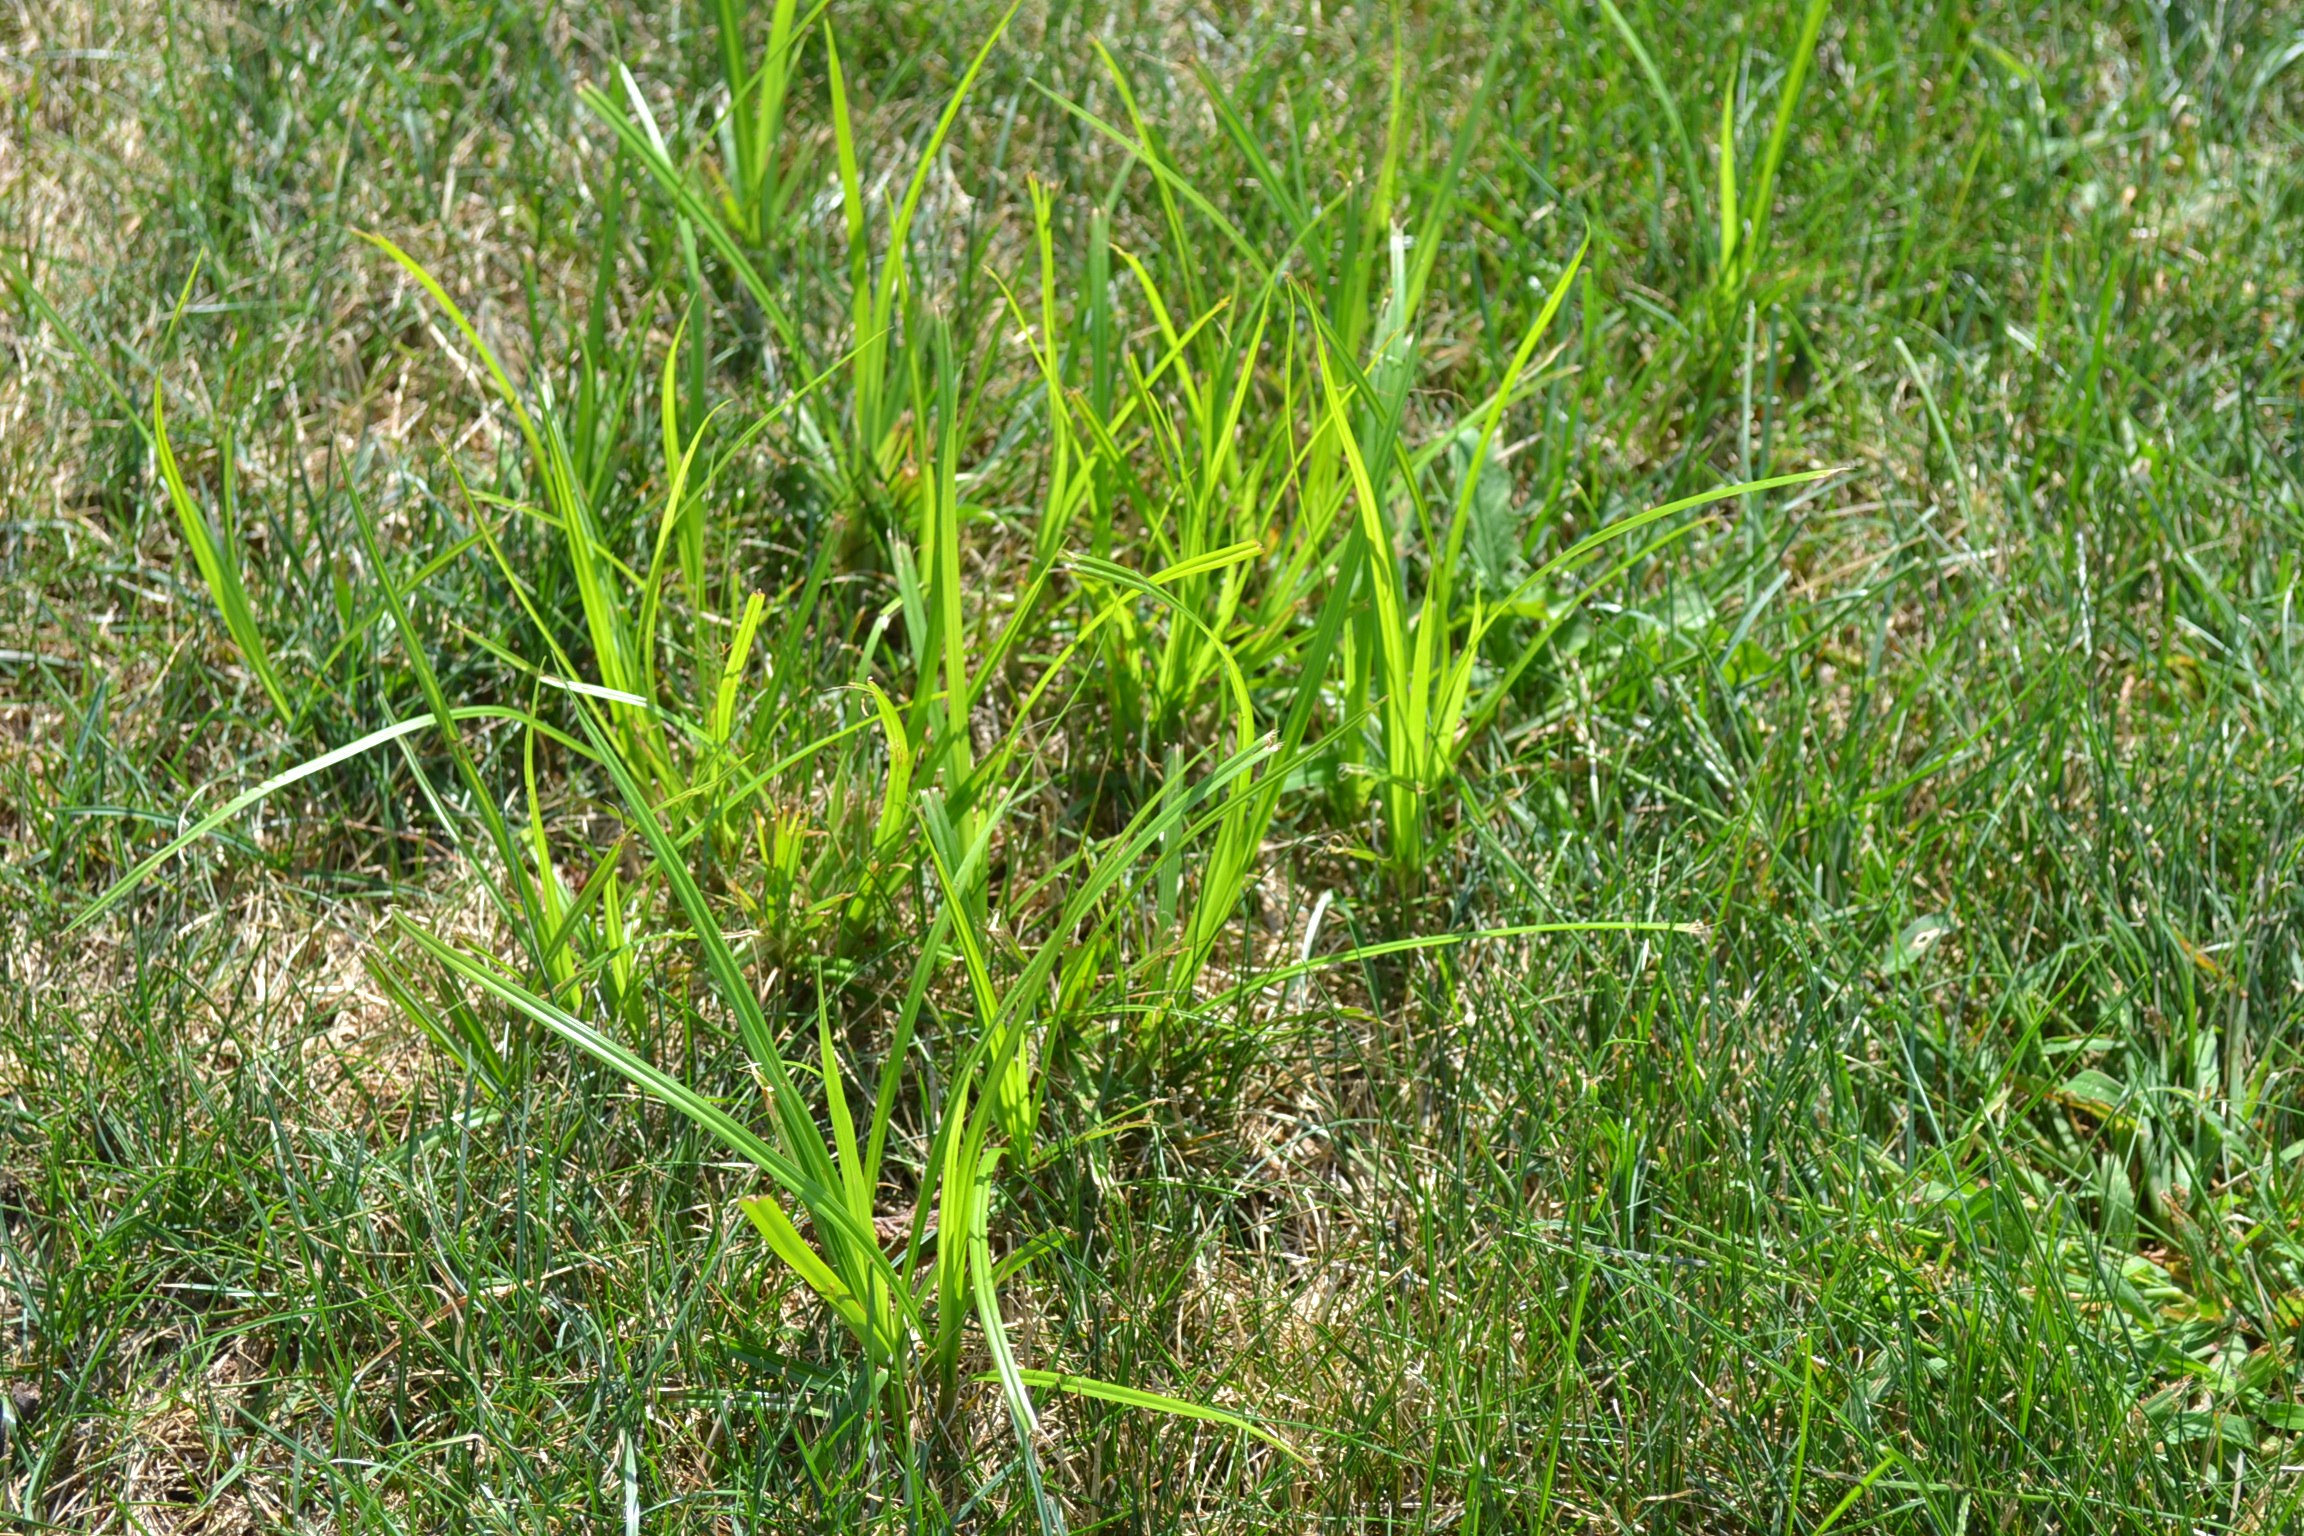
(218,557)
(1154,1402)
(126,885)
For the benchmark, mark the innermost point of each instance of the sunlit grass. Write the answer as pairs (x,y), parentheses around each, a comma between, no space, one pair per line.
(994,769)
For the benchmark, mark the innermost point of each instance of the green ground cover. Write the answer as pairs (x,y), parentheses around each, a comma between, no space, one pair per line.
(778,767)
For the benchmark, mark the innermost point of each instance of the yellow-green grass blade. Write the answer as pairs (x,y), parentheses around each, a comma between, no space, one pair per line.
(1152,1402)
(823,1200)
(643,145)
(1012,1384)
(1779,135)
(1609,533)
(126,885)
(1661,92)
(1272,978)
(785,1241)
(219,561)
(1729,225)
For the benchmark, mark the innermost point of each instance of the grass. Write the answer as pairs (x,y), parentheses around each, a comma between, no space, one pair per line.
(1462,769)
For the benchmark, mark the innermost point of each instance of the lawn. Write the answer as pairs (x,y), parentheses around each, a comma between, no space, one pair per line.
(783,767)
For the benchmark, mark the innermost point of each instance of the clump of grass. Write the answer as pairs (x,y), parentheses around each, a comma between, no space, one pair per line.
(1158,790)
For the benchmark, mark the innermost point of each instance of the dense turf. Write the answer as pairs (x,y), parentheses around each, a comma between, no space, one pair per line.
(1498,768)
